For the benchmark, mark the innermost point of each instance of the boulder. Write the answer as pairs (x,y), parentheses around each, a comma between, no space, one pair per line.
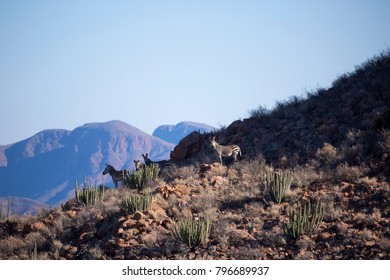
(188,147)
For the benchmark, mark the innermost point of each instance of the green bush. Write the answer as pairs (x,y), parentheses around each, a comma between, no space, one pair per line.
(192,233)
(89,195)
(145,175)
(277,183)
(304,219)
(137,202)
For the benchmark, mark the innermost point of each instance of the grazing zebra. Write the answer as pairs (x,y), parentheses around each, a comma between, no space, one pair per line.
(116,175)
(162,163)
(138,165)
(226,151)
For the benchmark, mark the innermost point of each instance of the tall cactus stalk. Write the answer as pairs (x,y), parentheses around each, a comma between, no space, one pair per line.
(89,195)
(277,183)
(304,219)
(3,218)
(145,175)
(137,202)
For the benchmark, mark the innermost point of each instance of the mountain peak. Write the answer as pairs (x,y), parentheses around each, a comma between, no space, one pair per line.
(174,133)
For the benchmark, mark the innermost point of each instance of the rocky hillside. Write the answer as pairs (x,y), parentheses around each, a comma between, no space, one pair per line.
(351,118)
(331,149)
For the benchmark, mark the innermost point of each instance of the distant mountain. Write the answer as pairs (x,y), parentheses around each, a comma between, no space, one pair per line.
(45,166)
(174,133)
(20,205)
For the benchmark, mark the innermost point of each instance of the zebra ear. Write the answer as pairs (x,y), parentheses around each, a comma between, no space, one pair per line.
(147,154)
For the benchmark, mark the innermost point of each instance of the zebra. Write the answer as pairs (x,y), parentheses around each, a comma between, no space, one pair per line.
(162,163)
(116,175)
(226,151)
(138,165)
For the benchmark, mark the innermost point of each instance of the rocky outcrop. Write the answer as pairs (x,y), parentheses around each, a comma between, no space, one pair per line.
(188,147)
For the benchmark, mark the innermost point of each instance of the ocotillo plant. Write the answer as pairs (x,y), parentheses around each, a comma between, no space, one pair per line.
(191,232)
(137,202)
(277,183)
(304,218)
(145,175)
(3,218)
(89,195)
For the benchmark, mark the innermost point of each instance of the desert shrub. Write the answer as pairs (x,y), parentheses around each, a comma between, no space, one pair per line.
(137,202)
(192,232)
(277,183)
(144,176)
(259,112)
(327,154)
(89,195)
(346,172)
(173,172)
(304,175)
(303,219)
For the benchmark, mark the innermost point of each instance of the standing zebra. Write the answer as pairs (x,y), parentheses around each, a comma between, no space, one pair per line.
(226,151)
(116,175)
(161,163)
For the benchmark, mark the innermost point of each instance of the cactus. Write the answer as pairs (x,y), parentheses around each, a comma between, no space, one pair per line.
(145,175)
(278,183)
(137,202)
(34,252)
(3,218)
(89,195)
(304,218)
(192,233)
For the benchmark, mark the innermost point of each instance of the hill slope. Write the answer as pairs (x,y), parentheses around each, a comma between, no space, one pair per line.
(45,166)
(350,118)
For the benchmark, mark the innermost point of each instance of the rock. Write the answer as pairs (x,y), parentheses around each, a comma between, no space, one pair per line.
(37,226)
(218,181)
(102,231)
(71,213)
(188,147)
(138,216)
(152,252)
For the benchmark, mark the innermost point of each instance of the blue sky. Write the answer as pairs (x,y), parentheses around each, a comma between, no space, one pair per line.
(66,63)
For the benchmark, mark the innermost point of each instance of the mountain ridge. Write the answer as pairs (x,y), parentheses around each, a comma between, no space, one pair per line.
(44,166)
(174,133)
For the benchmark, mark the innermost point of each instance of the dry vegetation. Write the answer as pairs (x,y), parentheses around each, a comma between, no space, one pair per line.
(335,144)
